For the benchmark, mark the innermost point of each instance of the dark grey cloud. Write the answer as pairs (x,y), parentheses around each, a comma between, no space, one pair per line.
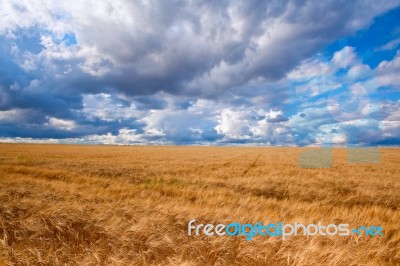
(198,48)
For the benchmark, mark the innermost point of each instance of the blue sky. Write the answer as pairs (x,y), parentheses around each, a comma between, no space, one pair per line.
(294,73)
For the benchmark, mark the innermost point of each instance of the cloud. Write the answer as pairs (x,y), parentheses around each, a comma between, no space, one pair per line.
(14,115)
(276,116)
(62,124)
(389,46)
(311,68)
(388,71)
(253,126)
(358,72)
(331,134)
(107,107)
(234,124)
(124,136)
(181,72)
(391,121)
(199,48)
(174,124)
(345,57)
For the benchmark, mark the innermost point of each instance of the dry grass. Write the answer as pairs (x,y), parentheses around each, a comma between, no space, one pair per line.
(101,205)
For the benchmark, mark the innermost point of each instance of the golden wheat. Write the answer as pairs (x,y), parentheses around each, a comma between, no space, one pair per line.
(102,205)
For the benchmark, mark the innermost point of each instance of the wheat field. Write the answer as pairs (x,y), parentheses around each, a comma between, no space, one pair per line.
(130,205)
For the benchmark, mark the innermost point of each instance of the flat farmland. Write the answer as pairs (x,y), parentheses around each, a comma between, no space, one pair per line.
(130,205)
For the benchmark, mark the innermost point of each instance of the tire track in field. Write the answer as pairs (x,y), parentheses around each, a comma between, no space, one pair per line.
(252,165)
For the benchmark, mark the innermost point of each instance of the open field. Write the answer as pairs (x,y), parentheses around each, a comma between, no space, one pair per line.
(94,205)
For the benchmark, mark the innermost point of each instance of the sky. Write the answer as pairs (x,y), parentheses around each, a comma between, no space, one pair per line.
(272,73)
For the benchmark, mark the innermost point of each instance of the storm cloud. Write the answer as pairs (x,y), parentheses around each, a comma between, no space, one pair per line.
(171,72)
